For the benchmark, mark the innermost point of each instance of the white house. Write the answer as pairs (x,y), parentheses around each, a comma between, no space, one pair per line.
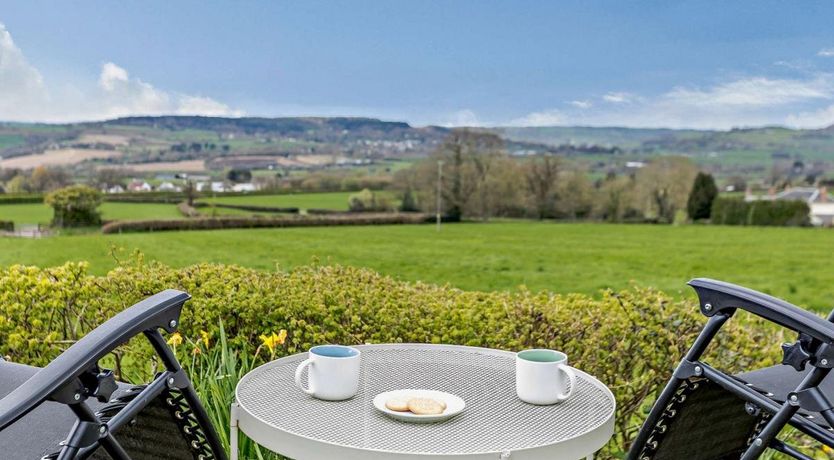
(218,187)
(168,187)
(115,189)
(139,186)
(245,187)
(818,199)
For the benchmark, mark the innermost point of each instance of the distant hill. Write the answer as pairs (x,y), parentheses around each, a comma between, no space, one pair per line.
(194,143)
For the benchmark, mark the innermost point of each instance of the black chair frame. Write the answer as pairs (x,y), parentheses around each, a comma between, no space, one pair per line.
(75,376)
(815,346)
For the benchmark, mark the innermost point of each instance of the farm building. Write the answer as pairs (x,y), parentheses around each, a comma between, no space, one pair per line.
(818,199)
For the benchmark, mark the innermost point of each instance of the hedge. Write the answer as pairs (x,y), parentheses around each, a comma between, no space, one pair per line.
(226,222)
(20,198)
(6,226)
(735,211)
(246,207)
(631,340)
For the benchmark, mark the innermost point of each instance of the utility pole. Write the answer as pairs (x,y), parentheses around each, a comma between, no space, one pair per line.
(439,191)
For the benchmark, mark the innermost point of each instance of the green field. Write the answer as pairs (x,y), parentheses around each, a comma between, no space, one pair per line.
(36,213)
(334,200)
(788,262)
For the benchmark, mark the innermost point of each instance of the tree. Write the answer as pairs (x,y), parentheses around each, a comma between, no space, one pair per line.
(368,201)
(408,204)
(469,168)
(105,178)
(239,175)
(190,192)
(18,184)
(614,197)
(575,195)
(540,176)
(45,179)
(663,186)
(75,206)
(704,191)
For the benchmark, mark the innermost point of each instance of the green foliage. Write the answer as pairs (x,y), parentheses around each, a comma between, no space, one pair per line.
(704,192)
(226,222)
(6,225)
(408,203)
(785,213)
(75,206)
(630,340)
(239,175)
(368,201)
(19,198)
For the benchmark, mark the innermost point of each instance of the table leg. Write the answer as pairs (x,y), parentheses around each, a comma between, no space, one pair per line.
(233,432)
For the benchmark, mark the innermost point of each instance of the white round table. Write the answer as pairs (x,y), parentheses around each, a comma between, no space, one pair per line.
(273,412)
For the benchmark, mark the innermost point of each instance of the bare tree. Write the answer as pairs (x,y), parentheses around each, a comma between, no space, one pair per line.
(540,175)
(664,186)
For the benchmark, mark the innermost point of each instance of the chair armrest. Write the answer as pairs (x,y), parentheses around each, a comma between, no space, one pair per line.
(161,310)
(722,296)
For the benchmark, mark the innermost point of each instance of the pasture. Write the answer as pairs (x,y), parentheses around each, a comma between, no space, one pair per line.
(333,200)
(38,213)
(794,263)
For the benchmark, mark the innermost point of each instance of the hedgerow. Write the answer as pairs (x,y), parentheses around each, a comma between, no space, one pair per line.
(735,211)
(630,340)
(214,223)
(247,207)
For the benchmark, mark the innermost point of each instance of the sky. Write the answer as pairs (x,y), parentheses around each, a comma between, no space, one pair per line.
(705,65)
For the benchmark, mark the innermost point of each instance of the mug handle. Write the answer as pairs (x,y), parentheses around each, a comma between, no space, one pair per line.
(298,371)
(571,378)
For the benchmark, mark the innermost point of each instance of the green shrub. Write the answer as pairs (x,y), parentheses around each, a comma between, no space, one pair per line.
(368,201)
(704,192)
(75,206)
(630,340)
(735,211)
(249,207)
(214,223)
(20,198)
(6,226)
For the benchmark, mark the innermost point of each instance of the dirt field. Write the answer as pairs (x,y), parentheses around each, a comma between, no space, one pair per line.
(112,139)
(59,157)
(185,166)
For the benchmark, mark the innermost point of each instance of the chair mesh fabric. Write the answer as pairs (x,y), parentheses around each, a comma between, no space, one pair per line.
(164,430)
(702,422)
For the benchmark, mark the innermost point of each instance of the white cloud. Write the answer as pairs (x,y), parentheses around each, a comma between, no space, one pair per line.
(754,92)
(543,118)
(25,96)
(464,117)
(582,104)
(826,52)
(618,98)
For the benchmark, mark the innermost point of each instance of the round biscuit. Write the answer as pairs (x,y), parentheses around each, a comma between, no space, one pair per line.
(397,404)
(425,406)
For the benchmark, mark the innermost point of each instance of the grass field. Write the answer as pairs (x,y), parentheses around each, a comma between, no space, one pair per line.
(36,213)
(335,200)
(791,263)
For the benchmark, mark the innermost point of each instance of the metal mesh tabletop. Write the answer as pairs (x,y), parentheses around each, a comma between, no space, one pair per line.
(494,420)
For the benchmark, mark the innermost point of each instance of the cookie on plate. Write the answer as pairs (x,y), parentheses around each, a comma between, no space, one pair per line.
(425,406)
(397,404)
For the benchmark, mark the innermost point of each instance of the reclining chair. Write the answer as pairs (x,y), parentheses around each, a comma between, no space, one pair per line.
(704,414)
(72,409)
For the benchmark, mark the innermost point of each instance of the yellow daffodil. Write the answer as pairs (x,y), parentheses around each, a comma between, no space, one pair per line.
(274,340)
(175,339)
(205,338)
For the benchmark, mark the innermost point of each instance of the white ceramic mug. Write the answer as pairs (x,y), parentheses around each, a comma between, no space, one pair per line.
(334,372)
(542,376)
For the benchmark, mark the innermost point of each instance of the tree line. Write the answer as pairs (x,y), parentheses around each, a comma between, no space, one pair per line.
(476,178)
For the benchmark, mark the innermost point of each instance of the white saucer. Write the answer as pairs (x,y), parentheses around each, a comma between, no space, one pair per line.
(454,405)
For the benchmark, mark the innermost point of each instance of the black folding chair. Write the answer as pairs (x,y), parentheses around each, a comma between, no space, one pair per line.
(72,409)
(705,414)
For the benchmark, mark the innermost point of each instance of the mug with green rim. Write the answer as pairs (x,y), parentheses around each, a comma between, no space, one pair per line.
(543,377)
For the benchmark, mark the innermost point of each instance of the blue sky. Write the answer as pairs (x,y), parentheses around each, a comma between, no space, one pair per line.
(686,64)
